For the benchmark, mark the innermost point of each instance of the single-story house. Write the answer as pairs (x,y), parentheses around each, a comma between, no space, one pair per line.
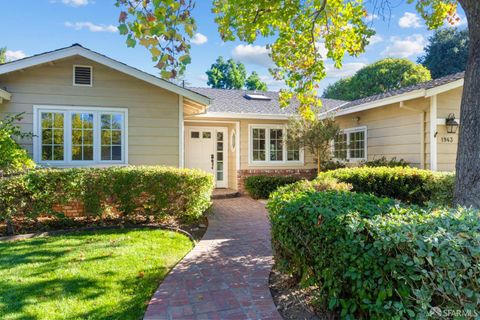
(86,109)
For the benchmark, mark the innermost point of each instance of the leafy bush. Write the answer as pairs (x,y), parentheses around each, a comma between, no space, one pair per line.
(260,187)
(384,162)
(373,259)
(332,165)
(150,191)
(410,185)
(13,158)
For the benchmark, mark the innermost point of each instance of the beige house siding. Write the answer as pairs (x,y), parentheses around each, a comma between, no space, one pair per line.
(153,123)
(448,102)
(392,131)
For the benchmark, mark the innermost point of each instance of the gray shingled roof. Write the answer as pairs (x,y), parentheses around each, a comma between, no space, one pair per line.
(424,85)
(234,101)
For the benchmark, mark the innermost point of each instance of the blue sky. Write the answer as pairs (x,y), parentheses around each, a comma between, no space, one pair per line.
(42,25)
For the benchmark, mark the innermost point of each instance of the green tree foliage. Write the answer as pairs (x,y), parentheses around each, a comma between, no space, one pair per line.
(298,29)
(313,135)
(447,52)
(253,82)
(12,157)
(3,55)
(226,74)
(381,76)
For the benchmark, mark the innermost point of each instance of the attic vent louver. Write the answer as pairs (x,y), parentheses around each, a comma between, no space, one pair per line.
(257,97)
(82,76)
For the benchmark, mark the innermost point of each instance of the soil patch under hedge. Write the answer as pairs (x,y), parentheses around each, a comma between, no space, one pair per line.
(292,301)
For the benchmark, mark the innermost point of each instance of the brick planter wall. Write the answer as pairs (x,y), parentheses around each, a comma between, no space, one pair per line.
(300,173)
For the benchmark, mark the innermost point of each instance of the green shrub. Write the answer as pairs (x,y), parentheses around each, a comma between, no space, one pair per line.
(13,158)
(410,185)
(384,162)
(374,259)
(332,165)
(160,192)
(260,187)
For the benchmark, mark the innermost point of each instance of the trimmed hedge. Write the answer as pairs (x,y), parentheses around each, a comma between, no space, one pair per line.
(410,185)
(374,259)
(151,191)
(260,187)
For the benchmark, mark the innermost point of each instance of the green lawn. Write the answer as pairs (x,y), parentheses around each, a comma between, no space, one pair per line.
(107,274)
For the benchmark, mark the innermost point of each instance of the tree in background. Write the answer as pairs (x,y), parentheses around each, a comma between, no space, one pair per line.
(299,31)
(381,76)
(254,83)
(3,55)
(447,52)
(313,135)
(226,74)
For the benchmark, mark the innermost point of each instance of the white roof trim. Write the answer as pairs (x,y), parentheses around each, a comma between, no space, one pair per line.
(94,56)
(380,103)
(231,115)
(5,95)
(420,93)
(443,88)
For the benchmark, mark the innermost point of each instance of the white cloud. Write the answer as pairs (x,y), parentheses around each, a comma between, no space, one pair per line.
(73,3)
(348,69)
(406,47)
(409,20)
(370,17)
(91,26)
(322,50)
(375,39)
(250,54)
(199,39)
(14,55)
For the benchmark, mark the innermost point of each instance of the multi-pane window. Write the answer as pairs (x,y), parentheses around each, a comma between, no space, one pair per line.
(356,145)
(340,146)
(276,144)
(76,137)
(350,144)
(82,136)
(258,144)
(111,136)
(53,136)
(267,144)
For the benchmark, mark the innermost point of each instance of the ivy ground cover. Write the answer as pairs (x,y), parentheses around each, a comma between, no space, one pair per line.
(109,274)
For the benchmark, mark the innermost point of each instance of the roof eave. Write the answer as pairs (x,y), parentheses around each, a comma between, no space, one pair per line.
(232,115)
(99,58)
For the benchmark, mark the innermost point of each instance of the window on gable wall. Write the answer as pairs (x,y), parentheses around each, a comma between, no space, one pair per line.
(267,145)
(351,144)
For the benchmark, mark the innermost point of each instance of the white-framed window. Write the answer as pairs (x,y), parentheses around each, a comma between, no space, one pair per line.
(267,146)
(79,136)
(351,144)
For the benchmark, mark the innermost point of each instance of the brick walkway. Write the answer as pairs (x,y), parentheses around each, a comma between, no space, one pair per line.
(226,275)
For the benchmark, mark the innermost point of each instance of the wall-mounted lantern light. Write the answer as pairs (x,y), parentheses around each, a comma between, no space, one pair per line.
(451,123)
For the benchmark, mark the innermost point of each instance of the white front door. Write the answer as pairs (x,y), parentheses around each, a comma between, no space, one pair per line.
(206,149)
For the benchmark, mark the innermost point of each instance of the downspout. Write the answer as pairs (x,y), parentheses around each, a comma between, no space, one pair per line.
(181,134)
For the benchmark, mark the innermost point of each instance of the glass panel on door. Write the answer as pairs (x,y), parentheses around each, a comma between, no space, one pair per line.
(220,156)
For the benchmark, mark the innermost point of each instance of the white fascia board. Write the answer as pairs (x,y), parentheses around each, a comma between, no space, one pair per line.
(228,115)
(443,88)
(77,50)
(5,95)
(384,102)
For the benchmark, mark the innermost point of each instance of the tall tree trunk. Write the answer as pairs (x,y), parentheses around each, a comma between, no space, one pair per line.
(467,189)
(319,163)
